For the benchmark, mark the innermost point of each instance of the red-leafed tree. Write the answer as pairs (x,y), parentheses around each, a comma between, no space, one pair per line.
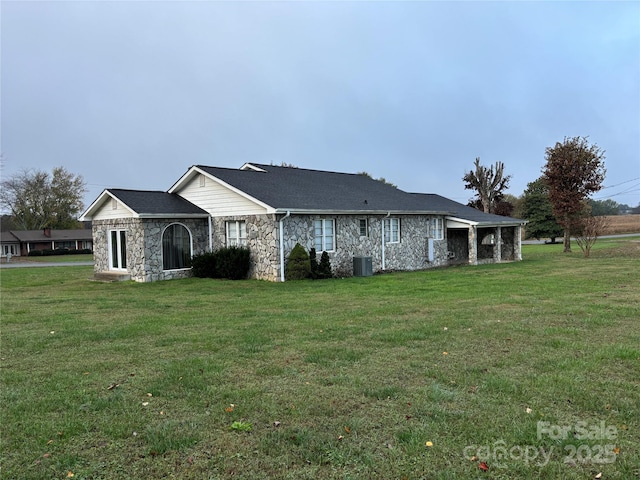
(574,170)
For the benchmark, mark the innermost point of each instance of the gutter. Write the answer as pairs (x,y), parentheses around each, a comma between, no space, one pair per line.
(383,245)
(281,222)
(210,234)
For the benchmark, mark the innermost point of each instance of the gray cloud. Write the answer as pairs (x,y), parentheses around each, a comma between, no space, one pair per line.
(129,94)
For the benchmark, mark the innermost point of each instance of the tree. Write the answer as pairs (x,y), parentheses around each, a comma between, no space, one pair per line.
(574,170)
(536,209)
(381,179)
(605,207)
(298,265)
(488,183)
(591,228)
(39,200)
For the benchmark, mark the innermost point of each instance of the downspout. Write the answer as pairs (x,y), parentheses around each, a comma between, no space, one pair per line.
(282,245)
(210,234)
(383,253)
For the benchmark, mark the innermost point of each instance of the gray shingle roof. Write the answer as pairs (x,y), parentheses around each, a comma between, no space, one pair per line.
(286,188)
(55,235)
(465,212)
(152,202)
(302,189)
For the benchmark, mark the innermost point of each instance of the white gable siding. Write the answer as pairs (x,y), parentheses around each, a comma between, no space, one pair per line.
(218,200)
(107,212)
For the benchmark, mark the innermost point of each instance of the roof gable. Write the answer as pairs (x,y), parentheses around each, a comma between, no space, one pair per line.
(146,204)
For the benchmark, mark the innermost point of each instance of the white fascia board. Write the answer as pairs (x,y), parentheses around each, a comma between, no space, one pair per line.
(185,178)
(98,202)
(484,224)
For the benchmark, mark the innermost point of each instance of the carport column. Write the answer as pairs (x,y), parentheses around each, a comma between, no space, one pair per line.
(498,244)
(517,243)
(473,245)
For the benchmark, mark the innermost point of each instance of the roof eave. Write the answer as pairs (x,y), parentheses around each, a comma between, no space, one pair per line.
(98,202)
(320,211)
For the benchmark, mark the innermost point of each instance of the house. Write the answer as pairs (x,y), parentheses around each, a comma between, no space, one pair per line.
(21,242)
(150,235)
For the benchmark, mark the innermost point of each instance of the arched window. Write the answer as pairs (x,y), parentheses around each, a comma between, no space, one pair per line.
(176,247)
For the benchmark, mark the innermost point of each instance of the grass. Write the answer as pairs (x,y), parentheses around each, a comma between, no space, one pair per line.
(350,378)
(88,257)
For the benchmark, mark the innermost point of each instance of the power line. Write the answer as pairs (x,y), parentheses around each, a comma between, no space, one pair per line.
(617,185)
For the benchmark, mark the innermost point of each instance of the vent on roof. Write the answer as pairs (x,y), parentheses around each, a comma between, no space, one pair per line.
(248,166)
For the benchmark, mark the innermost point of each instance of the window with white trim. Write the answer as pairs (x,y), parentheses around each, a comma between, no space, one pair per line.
(363,227)
(436,229)
(176,247)
(236,233)
(324,235)
(392,230)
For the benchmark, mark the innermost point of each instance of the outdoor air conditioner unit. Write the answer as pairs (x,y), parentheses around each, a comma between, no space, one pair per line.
(362,267)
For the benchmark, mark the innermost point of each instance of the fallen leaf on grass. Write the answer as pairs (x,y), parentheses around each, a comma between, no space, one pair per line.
(616,450)
(112,386)
(429,444)
(598,475)
(528,410)
(340,438)
(70,474)
(144,404)
(483,466)
(445,353)
(347,429)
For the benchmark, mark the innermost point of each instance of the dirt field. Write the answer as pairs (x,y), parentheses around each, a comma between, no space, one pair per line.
(623,224)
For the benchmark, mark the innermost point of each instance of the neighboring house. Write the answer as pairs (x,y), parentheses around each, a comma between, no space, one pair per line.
(150,235)
(9,244)
(21,242)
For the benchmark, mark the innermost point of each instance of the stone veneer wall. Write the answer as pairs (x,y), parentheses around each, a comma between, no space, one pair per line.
(262,240)
(144,246)
(410,254)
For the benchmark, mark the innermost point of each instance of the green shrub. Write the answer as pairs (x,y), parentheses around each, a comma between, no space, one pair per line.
(324,269)
(298,264)
(314,263)
(204,265)
(35,253)
(232,263)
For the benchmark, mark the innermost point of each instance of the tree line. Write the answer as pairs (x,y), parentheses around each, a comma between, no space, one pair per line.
(558,203)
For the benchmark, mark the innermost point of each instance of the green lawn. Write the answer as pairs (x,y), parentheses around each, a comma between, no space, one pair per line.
(343,379)
(84,257)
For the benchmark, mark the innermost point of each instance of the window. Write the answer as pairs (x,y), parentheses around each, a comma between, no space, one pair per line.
(436,230)
(392,230)
(176,247)
(324,235)
(364,230)
(236,234)
(118,249)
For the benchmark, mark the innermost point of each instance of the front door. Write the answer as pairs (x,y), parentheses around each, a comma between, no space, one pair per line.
(118,250)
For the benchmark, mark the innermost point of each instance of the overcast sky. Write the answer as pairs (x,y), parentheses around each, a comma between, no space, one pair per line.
(131,94)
